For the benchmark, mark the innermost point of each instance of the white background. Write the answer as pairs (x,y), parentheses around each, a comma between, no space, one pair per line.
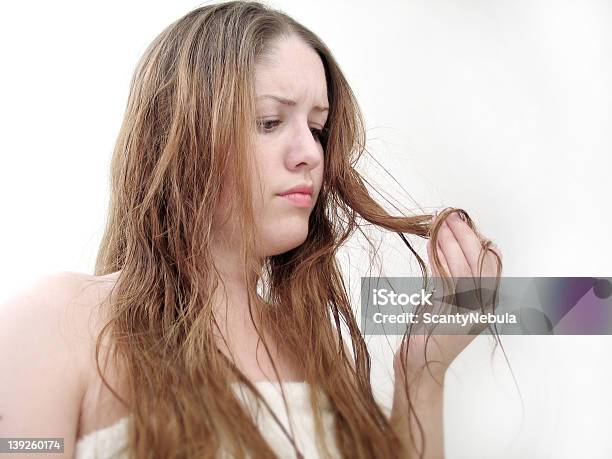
(499,107)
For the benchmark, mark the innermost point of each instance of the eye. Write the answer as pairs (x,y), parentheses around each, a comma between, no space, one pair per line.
(320,134)
(317,134)
(268,126)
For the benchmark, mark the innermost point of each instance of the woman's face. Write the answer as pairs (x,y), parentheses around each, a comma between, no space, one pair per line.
(292,108)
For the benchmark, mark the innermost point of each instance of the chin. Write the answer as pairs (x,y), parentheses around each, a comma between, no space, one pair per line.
(281,239)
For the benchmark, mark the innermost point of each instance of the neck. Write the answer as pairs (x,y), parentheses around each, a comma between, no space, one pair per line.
(230,305)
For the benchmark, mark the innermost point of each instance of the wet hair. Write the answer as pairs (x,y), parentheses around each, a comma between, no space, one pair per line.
(189,122)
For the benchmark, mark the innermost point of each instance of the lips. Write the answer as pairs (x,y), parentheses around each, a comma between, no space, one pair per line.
(300,195)
(302,189)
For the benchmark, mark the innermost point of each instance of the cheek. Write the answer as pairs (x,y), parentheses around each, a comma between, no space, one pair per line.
(261,190)
(318,176)
(223,209)
(267,167)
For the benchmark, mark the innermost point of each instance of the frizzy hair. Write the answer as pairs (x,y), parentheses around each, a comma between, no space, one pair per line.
(188,123)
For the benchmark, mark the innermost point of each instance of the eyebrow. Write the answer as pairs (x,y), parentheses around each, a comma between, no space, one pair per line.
(289,102)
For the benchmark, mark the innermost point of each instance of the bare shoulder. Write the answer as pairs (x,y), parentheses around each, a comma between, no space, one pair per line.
(66,308)
(47,331)
(50,312)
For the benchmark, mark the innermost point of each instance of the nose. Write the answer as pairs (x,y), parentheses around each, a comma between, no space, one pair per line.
(306,151)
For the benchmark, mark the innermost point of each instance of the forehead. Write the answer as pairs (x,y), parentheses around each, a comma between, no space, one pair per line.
(292,70)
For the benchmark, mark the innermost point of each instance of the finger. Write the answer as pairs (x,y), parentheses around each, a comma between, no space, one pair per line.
(497,250)
(491,262)
(431,259)
(441,259)
(453,254)
(468,241)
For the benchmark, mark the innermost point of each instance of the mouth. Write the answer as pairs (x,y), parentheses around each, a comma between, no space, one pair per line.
(298,199)
(300,195)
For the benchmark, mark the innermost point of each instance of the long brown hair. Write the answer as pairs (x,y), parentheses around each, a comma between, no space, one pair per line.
(189,121)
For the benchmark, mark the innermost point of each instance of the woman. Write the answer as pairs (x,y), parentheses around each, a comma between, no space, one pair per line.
(233,187)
